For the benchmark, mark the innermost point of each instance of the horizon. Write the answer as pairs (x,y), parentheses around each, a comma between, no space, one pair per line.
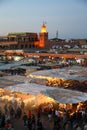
(68,17)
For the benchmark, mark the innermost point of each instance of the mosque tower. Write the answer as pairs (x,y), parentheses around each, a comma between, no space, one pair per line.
(43,36)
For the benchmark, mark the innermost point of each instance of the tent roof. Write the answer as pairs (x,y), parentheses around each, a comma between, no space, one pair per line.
(66,96)
(13,65)
(74,73)
(60,95)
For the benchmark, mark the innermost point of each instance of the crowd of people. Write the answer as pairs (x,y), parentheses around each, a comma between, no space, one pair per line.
(32,120)
(76,120)
(7,116)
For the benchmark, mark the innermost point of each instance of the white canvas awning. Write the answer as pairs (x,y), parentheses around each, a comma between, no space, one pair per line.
(74,73)
(66,96)
(60,95)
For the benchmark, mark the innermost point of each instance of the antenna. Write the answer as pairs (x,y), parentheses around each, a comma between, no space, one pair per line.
(44,22)
(57,34)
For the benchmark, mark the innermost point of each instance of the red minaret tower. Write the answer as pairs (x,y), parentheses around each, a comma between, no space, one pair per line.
(43,36)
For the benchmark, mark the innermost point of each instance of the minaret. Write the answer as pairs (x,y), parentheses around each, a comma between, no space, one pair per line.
(43,36)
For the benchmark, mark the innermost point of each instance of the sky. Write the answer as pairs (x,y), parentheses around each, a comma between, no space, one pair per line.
(68,17)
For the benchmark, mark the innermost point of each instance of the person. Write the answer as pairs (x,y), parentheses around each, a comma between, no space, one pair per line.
(38,114)
(19,112)
(33,122)
(6,108)
(57,127)
(56,113)
(50,114)
(11,127)
(12,112)
(0,110)
(0,120)
(3,120)
(7,117)
(85,126)
(29,124)
(25,118)
(22,104)
(39,125)
(67,125)
(7,125)
(29,114)
(77,127)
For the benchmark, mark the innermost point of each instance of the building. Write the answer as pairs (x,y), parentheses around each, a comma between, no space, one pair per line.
(25,40)
(30,41)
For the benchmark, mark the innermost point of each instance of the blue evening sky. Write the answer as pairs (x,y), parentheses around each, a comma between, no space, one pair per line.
(69,17)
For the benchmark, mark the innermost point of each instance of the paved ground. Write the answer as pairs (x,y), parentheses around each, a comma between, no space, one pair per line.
(18,124)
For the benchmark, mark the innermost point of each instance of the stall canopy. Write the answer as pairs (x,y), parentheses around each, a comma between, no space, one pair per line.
(66,96)
(12,65)
(60,95)
(74,73)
